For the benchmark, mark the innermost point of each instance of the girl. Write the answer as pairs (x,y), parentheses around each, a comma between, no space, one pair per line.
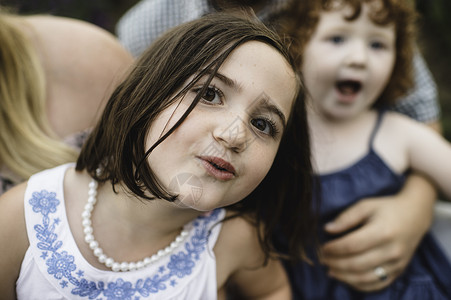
(196,126)
(355,59)
(48,99)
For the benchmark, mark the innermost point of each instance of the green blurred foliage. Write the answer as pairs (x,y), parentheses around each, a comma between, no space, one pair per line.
(435,42)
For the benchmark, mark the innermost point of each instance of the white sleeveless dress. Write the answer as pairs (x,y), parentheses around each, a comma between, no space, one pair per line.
(53,267)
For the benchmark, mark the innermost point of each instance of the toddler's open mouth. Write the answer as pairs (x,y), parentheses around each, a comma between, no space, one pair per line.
(348,87)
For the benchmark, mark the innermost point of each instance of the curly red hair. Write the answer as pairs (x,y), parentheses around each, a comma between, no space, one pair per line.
(300,21)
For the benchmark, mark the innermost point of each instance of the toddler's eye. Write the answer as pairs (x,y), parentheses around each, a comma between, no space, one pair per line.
(337,39)
(265,126)
(377,45)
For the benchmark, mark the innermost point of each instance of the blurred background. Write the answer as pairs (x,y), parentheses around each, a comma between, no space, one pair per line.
(434,37)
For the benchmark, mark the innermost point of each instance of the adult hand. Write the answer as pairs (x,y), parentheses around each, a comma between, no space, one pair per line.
(390,229)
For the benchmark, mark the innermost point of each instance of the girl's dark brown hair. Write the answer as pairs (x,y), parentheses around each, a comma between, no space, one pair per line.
(300,21)
(117,143)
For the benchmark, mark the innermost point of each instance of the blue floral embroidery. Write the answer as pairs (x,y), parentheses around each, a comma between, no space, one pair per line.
(181,264)
(44,202)
(119,290)
(62,266)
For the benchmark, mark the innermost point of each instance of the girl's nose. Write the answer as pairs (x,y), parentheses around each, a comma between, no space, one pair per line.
(233,133)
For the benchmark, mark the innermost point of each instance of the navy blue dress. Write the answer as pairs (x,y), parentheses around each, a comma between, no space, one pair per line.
(428,275)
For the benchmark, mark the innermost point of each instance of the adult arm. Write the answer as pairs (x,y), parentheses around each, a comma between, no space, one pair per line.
(391,229)
(13,240)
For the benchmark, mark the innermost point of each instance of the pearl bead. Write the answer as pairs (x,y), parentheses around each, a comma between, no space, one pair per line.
(124,267)
(132,266)
(116,267)
(87,230)
(109,262)
(139,265)
(92,185)
(98,252)
(89,207)
(89,238)
(92,200)
(86,222)
(94,245)
(102,258)
(86,214)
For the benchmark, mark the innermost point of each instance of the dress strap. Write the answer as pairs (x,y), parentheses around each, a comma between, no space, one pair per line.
(380,114)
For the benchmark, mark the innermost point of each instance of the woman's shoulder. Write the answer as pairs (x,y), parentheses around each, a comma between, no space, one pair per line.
(77,84)
(13,236)
(11,204)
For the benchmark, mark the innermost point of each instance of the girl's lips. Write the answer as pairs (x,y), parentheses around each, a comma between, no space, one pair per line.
(217,167)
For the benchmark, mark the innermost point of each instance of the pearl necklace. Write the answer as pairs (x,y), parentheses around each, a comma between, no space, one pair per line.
(108,261)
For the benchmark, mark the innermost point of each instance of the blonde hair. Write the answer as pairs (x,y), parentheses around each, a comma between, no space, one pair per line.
(27,143)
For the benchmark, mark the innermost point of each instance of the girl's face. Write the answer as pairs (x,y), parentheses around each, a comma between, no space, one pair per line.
(347,64)
(227,144)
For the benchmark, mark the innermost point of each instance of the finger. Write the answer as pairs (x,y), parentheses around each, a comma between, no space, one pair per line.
(365,261)
(359,263)
(350,218)
(368,280)
(355,242)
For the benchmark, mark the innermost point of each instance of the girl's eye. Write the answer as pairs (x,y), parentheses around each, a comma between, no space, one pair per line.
(212,95)
(265,126)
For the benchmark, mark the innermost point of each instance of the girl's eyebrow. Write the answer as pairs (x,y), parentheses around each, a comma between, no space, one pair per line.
(271,107)
(226,80)
(266,104)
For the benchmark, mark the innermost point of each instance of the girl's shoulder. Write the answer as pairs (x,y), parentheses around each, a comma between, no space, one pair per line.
(238,243)
(241,262)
